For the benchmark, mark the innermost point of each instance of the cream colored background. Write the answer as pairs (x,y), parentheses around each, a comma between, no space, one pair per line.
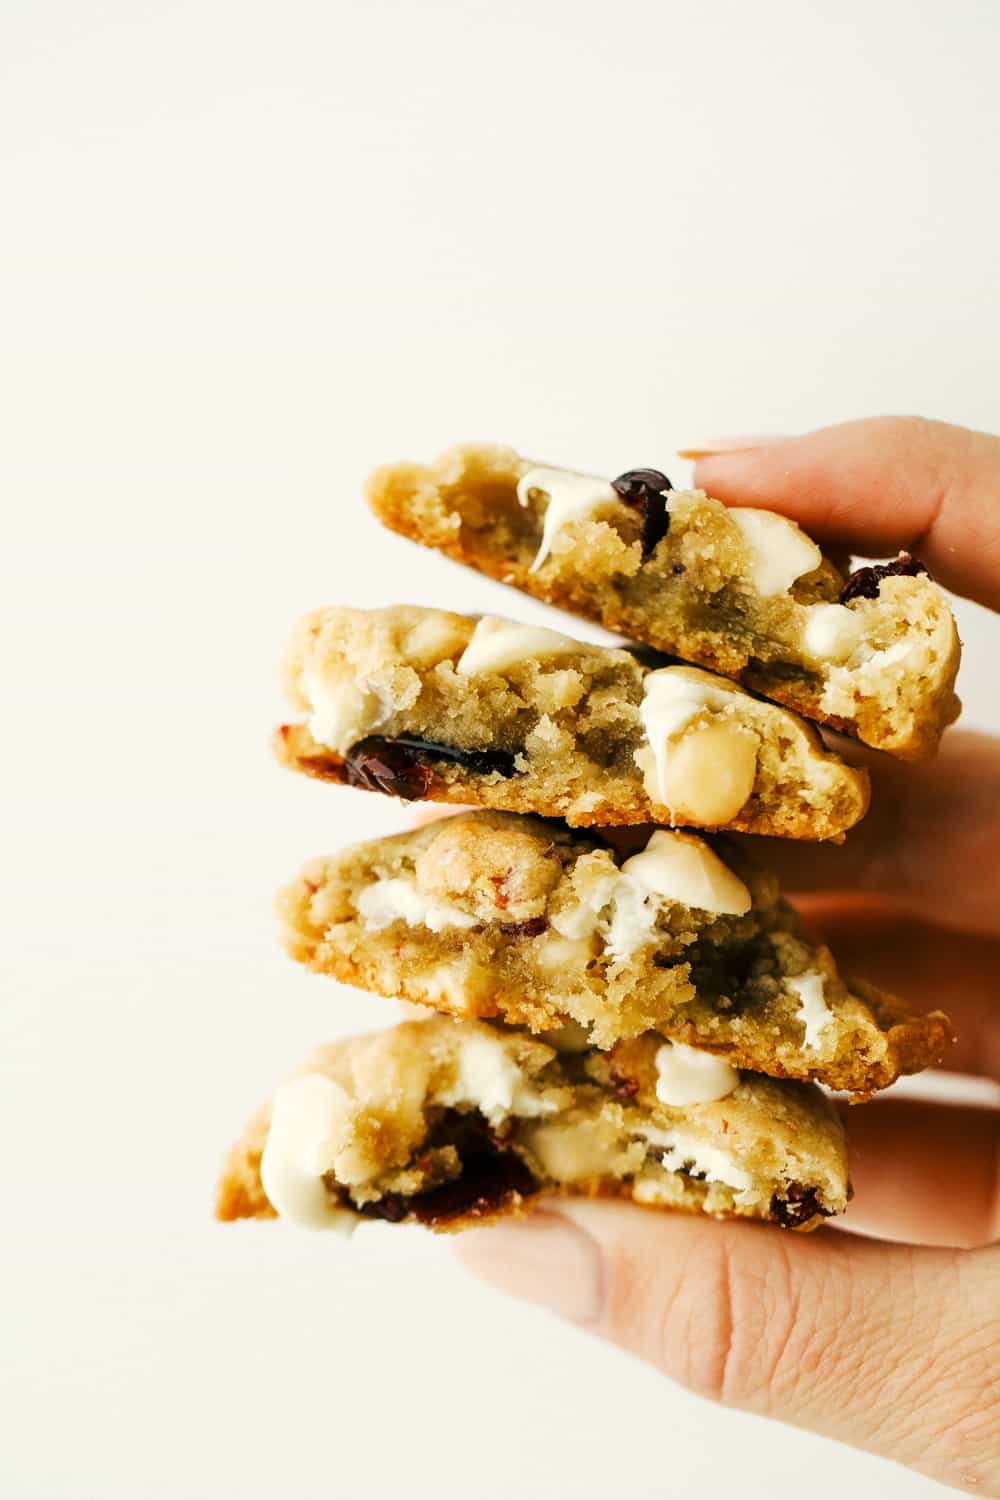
(247,252)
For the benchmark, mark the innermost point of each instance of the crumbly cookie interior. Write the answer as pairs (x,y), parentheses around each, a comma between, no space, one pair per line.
(449,1123)
(490,914)
(882,668)
(574,730)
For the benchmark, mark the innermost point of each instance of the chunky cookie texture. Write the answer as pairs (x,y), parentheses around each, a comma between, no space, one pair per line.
(422,704)
(488,914)
(451,1124)
(743,592)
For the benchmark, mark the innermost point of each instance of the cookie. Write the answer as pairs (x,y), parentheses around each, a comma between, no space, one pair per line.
(451,1124)
(743,592)
(489,914)
(425,704)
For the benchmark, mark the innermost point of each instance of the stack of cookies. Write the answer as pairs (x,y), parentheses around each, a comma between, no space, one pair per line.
(615,999)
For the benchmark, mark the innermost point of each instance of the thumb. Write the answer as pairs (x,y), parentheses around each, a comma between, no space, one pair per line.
(887,1347)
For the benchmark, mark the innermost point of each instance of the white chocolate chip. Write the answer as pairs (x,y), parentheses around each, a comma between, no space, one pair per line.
(832,631)
(619,910)
(436,636)
(555,952)
(709,780)
(343,710)
(570,495)
(400,899)
(682,868)
(301,1145)
(708,775)
(686,1076)
(890,656)
(814,1013)
(497,645)
(684,1152)
(576,1150)
(632,918)
(622,907)
(779,551)
(487,1077)
(579,921)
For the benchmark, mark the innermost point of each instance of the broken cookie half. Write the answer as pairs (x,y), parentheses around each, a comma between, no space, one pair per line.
(452,1123)
(744,592)
(423,704)
(490,914)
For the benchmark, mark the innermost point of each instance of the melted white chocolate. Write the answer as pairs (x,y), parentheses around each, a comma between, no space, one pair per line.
(301,1145)
(622,906)
(684,1152)
(814,1013)
(571,496)
(703,774)
(488,1078)
(401,900)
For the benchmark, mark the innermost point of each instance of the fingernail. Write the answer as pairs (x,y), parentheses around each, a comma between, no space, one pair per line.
(544,1258)
(715,447)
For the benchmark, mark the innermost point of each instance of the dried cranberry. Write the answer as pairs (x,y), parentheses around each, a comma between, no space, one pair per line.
(380,765)
(488,1182)
(624,1085)
(492,1176)
(492,1173)
(399,766)
(533,927)
(797,1207)
(482,762)
(392,1207)
(646,487)
(864,583)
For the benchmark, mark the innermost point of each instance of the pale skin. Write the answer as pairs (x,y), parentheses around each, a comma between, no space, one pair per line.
(885,1332)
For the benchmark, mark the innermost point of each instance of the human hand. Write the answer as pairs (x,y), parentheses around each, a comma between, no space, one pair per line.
(889,1343)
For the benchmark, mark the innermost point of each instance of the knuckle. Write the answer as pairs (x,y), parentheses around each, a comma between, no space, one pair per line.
(625,1295)
(764,1330)
(696,1326)
(731,1315)
(890,1359)
(676,1316)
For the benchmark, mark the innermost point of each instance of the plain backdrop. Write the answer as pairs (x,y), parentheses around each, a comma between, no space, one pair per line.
(247,252)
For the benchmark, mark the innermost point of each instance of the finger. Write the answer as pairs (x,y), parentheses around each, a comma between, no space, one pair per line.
(431,812)
(878,485)
(887,1347)
(929,843)
(927,966)
(923,1173)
